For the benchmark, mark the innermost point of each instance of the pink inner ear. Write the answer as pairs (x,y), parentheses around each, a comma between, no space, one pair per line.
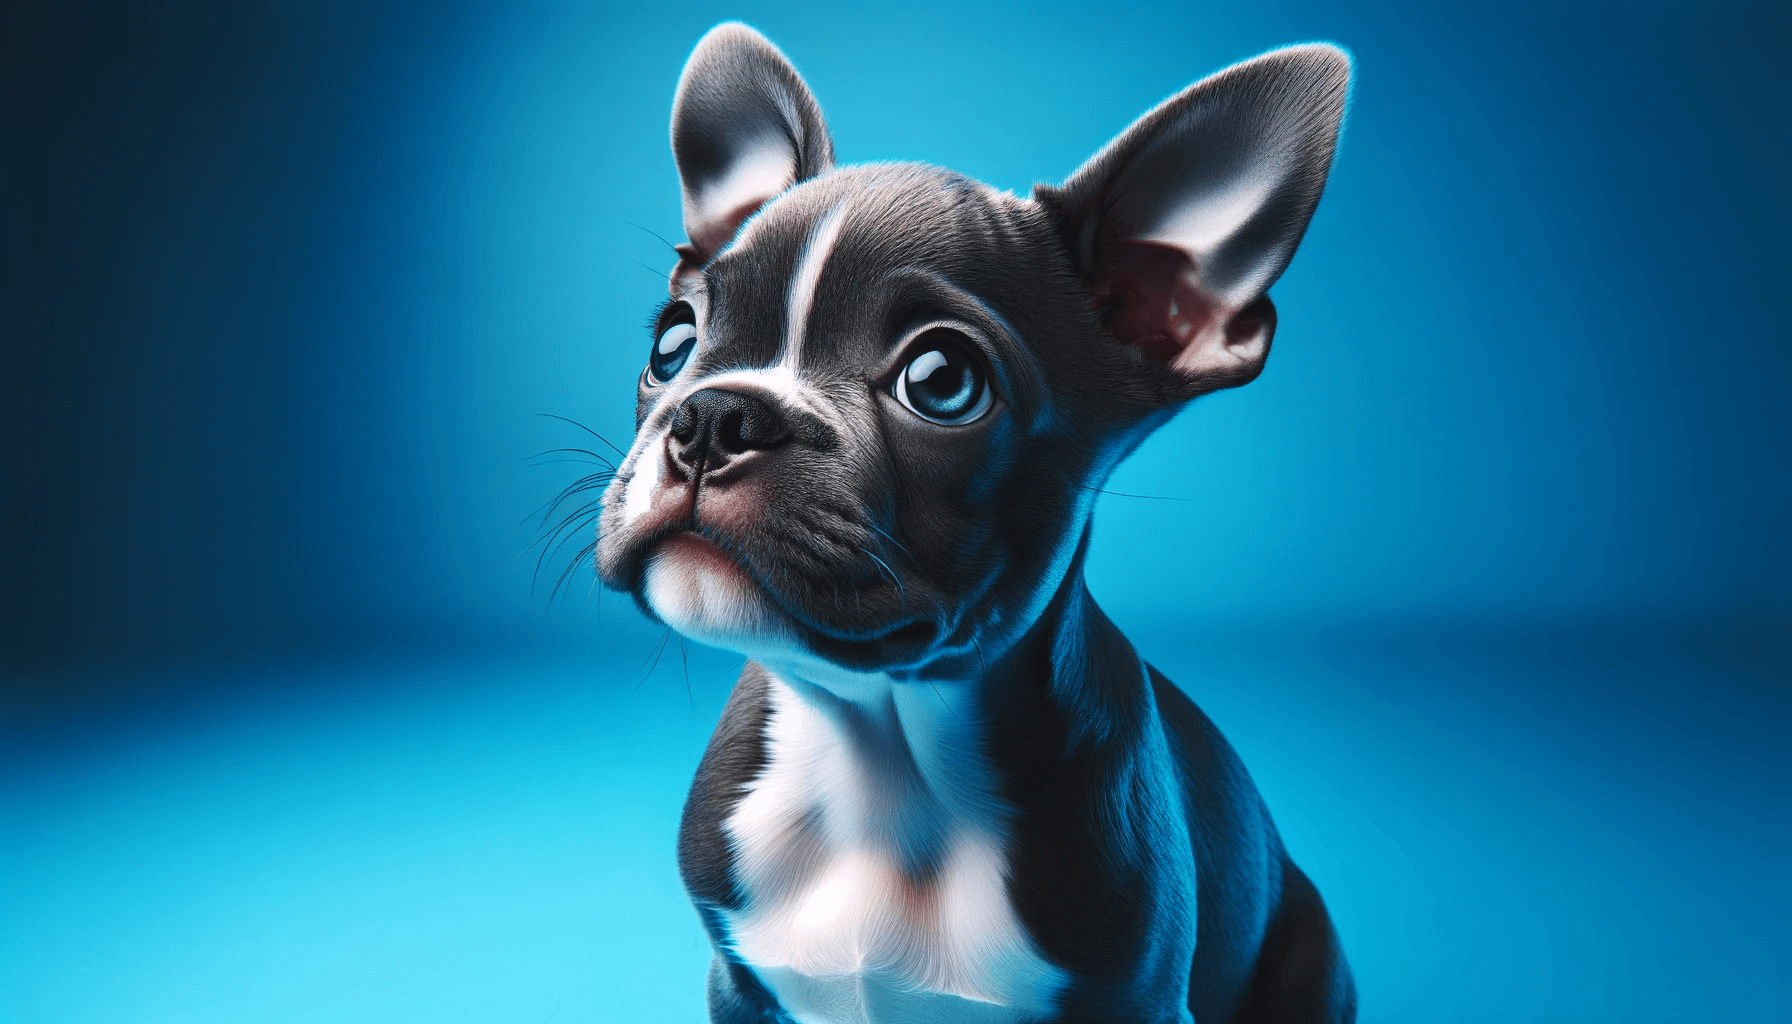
(711,235)
(1147,296)
(688,268)
(707,239)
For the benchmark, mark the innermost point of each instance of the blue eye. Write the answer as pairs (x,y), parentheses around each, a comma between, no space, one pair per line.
(670,353)
(943,384)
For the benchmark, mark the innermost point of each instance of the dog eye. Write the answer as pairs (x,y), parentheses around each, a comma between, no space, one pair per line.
(670,353)
(943,384)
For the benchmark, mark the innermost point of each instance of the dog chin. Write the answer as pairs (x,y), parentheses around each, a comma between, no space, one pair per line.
(702,593)
(696,589)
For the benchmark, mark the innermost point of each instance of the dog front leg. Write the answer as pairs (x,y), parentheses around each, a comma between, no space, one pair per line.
(736,997)
(1301,976)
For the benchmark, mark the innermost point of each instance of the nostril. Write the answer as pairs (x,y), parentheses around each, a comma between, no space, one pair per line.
(684,424)
(728,432)
(757,425)
(747,424)
(720,421)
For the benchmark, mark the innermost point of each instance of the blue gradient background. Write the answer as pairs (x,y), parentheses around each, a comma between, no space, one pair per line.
(1486,578)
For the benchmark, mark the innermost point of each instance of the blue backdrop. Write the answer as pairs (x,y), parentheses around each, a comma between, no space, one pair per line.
(1486,577)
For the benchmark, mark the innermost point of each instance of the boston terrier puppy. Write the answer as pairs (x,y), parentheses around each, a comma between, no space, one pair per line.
(876,412)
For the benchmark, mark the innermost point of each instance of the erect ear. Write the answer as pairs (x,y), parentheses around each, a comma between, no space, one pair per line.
(1181,223)
(744,128)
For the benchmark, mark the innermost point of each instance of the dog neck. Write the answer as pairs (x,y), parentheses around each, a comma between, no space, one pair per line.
(875,841)
(1069,689)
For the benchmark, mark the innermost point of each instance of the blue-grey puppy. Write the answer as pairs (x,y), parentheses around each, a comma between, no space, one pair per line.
(875,414)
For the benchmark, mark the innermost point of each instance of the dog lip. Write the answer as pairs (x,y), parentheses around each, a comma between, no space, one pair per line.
(691,543)
(678,537)
(905,642)
(625,570)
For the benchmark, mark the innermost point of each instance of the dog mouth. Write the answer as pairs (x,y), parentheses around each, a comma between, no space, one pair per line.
(693,581)
(692,550)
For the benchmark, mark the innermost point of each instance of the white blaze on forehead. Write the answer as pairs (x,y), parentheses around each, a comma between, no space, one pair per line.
(778,383)
(800,297)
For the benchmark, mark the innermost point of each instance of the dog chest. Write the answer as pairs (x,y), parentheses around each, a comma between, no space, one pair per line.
(869,895)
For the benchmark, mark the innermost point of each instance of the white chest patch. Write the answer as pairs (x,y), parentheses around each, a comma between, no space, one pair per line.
(839,924)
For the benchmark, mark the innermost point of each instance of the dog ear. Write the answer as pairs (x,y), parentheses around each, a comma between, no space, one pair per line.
(1181,223)
(744,128)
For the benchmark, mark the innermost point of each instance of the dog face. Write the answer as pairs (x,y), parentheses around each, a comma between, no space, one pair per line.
(849,441)
(880,399)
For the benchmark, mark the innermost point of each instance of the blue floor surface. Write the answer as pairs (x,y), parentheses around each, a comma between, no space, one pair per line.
(1538,825)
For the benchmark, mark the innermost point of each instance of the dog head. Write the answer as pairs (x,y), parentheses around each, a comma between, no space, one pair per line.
(880,399)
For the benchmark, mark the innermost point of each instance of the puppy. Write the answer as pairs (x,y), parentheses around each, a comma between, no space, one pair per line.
(875,414)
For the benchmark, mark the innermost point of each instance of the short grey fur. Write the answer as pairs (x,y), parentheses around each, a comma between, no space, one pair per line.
(946,788)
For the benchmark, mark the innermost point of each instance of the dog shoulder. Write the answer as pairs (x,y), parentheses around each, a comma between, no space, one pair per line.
(1203,753)
(1239,858)
(734,758)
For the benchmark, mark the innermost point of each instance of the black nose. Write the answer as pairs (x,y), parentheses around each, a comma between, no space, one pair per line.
(717,424)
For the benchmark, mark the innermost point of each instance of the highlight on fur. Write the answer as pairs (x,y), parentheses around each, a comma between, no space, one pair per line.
(874,413)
